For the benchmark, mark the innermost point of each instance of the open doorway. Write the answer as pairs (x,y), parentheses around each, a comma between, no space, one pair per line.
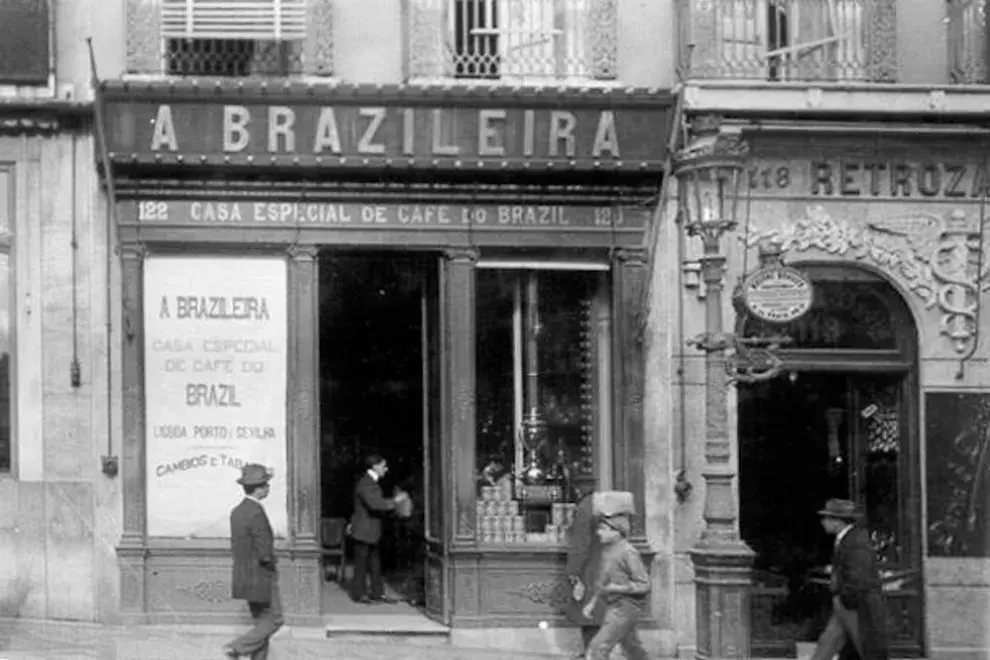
(372,401)
(842,422)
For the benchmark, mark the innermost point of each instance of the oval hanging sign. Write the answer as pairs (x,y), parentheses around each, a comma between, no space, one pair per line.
(778,294)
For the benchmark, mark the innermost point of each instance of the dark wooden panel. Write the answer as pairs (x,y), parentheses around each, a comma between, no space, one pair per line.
(25,43)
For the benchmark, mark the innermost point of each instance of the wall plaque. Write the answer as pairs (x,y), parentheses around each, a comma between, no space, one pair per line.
(216,332)
(777,294)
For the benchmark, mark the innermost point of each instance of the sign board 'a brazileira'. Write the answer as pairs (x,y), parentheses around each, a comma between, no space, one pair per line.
(356,134)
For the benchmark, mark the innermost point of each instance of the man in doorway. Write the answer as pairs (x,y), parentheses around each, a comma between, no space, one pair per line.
(254,575)
(857,627)
(370,507)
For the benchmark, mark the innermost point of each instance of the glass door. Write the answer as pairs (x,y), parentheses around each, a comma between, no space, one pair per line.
(436,461)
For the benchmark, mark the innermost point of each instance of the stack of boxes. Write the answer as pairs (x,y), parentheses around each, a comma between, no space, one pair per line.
(499,519)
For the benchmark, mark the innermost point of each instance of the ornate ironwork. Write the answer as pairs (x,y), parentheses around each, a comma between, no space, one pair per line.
(152,49)
(788,40)
(748,359)
(573,40)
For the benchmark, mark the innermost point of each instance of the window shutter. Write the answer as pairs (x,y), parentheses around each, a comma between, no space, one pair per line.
(259,20)
(25,45)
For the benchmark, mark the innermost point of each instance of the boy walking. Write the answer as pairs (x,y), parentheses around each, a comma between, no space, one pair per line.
(623,586)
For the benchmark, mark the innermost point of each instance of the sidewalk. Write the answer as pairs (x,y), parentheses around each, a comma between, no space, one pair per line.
(39,640)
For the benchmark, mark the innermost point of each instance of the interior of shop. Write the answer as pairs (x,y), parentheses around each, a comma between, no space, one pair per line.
(372,401)
(804,439)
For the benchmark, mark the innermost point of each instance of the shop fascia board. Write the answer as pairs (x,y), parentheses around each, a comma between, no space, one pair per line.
(259,90)
(823,99)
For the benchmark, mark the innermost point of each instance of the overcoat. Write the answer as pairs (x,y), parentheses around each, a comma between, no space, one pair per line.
(583,559)
(253,547)
(856,583)
(369,509)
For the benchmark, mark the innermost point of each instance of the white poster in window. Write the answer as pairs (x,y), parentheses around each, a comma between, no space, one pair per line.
(216,332)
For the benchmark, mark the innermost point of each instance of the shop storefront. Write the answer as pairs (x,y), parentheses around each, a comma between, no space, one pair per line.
(881,394)
(500,235)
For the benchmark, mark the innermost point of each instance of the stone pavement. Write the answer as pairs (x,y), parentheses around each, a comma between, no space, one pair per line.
(23,640)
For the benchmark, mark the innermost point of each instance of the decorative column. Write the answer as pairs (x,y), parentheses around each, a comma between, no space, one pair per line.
(710,173)
(460,340)
(132,551)
(629,277)
(722,560)
(303,432)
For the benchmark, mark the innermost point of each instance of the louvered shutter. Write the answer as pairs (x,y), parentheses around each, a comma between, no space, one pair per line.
(260,20)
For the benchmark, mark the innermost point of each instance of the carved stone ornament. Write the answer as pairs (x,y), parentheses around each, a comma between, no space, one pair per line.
(211,591)
(935,257)
(555,593)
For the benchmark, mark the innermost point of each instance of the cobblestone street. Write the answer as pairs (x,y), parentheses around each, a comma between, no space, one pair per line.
(40,641)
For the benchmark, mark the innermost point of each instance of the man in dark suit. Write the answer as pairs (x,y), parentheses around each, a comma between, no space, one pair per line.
(370,507)
(583,558)
(857,627)
(254,576)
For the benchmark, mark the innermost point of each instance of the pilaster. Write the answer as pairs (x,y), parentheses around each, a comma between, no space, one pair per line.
(629,278)
(460,312)
(132,550)
(303,444)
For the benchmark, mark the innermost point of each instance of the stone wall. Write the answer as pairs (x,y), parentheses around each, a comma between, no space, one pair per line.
(60,513)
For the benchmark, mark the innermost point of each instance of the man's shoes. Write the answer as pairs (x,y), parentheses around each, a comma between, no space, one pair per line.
(363,600)
(384,599)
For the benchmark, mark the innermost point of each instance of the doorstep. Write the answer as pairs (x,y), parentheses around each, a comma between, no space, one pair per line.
(406,628)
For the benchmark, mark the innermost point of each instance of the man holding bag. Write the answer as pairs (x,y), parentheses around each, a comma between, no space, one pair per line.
(370,507)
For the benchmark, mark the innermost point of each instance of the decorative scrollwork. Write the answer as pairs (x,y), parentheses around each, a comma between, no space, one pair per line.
(934,256)
(749,359)
(211,591)
(556,593)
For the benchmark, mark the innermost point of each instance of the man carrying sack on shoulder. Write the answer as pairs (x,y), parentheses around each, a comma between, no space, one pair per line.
(255,578)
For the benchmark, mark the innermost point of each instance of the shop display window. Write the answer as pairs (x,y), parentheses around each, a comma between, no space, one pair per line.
(542,364)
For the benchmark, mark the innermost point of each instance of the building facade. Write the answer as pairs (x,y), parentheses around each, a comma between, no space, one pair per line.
(866,170)
(493,168)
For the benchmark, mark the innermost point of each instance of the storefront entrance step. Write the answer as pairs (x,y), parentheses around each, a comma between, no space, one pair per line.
(414,628)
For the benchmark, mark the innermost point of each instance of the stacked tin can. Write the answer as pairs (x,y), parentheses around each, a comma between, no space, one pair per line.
(498,516)
(561,517)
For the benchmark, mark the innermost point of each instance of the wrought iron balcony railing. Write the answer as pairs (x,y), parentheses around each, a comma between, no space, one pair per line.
(788,40)
(513,40)
(967,39)
(229,37)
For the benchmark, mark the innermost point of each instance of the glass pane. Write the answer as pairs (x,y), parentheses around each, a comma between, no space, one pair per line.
(849,315)
(537,379)
(879,419)
(5,351)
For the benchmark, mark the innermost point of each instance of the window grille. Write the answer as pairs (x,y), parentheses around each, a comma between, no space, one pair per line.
(229,37)
(513,39)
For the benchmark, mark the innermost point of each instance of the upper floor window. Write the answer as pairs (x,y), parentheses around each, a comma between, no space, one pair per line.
(25,42)
(552,40)
(6,317)
(788,39)
(229,37)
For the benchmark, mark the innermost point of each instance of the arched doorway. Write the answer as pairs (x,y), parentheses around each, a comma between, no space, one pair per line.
(843,423)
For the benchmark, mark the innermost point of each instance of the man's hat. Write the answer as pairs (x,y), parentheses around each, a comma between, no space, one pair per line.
(253,474)
(841,510)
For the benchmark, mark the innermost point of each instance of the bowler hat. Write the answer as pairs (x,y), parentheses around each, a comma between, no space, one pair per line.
(253,474)
(841,509)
